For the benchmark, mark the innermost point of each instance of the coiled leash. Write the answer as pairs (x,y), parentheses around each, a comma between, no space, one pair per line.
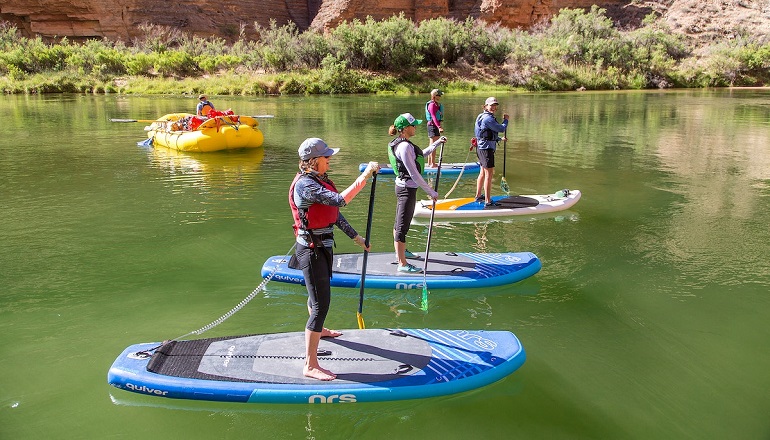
(227,315)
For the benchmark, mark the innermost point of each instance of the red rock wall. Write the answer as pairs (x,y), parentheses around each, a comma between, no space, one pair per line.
(120,19)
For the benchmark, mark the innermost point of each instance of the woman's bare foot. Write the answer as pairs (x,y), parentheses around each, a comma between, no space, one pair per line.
(318,373)
(326,333)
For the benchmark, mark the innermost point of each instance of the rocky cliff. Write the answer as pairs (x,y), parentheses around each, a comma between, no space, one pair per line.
(121,19)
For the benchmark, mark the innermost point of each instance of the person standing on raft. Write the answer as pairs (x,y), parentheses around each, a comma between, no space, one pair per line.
(315,205)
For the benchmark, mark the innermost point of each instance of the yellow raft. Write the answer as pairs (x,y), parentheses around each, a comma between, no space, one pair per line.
(215,134)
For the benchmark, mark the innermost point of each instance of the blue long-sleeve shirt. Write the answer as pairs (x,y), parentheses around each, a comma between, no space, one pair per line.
(486,123)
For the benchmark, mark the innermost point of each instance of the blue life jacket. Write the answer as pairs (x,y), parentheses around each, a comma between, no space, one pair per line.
(439,113)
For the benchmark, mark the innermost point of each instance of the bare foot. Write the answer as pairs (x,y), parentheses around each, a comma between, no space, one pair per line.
(318,373)
(326,333)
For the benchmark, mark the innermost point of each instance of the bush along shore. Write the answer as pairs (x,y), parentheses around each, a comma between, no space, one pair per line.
(576,49)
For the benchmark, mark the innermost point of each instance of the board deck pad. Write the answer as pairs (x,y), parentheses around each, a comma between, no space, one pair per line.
(279,358)
(371,365)
(445,270)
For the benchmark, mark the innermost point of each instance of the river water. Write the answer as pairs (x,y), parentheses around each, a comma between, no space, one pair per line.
(649,318)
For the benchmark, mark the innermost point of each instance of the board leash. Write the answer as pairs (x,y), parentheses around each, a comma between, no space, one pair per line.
(462,170)
(232,311)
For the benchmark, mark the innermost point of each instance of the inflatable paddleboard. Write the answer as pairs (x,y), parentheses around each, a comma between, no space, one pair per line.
(509,205)
(447,169)
(445,270)
(371,365)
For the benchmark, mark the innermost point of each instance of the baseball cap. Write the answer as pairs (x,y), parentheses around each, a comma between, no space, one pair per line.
(315,147)
(491,100)
(405,120)
(436,92)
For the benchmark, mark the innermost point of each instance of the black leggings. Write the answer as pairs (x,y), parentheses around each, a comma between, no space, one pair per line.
(405,201)
(317,270)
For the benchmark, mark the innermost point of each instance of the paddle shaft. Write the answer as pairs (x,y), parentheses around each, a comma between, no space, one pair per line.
(360,317)
(505,142)
(504,183)
(430,225)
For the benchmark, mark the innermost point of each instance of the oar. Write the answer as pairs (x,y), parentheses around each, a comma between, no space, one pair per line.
(503,182)
(424,305)
(136,120)
(360,315)
(161,120)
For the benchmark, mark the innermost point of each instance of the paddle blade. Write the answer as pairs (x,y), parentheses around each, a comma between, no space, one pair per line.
(360,318)
(424,303)
(504,186)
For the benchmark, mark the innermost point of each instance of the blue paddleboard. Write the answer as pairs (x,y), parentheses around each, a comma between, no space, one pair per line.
(445,270)
(447,169)
(371,365)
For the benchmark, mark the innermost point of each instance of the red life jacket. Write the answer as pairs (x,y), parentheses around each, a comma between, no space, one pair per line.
(317,215)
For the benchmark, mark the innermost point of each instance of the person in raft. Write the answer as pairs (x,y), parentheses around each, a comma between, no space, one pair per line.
(315,205)
(486,132)
(434,114)
(204,106)
(408,161)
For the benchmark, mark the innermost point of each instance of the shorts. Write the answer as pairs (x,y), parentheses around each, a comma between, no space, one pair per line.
(433,131)
(486,157)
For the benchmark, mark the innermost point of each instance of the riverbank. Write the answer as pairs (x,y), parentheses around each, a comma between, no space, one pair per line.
(577,50)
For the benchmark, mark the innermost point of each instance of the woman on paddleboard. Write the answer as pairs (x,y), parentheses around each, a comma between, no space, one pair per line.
(315,205)
(408,162)
(487,131)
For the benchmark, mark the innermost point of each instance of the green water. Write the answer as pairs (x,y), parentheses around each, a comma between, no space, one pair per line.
(648,320)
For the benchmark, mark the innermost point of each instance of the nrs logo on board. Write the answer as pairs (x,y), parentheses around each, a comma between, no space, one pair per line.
(341,398)
(144,389)
(408,286)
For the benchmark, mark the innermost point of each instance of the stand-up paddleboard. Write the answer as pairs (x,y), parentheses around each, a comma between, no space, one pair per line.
(445,270)
(447,169)
(371,365)
(509,205)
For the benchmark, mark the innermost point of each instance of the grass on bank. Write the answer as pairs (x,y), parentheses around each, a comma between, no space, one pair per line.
(575,49)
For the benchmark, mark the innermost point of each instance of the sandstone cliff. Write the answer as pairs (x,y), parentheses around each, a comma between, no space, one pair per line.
(121,19)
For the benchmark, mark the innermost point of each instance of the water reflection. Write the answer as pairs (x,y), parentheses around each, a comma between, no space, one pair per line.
(207,170)
(211,179)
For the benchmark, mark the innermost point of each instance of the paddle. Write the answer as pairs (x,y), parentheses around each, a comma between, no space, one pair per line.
(360,315)
(503,182)
(157,120)
(424,305)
